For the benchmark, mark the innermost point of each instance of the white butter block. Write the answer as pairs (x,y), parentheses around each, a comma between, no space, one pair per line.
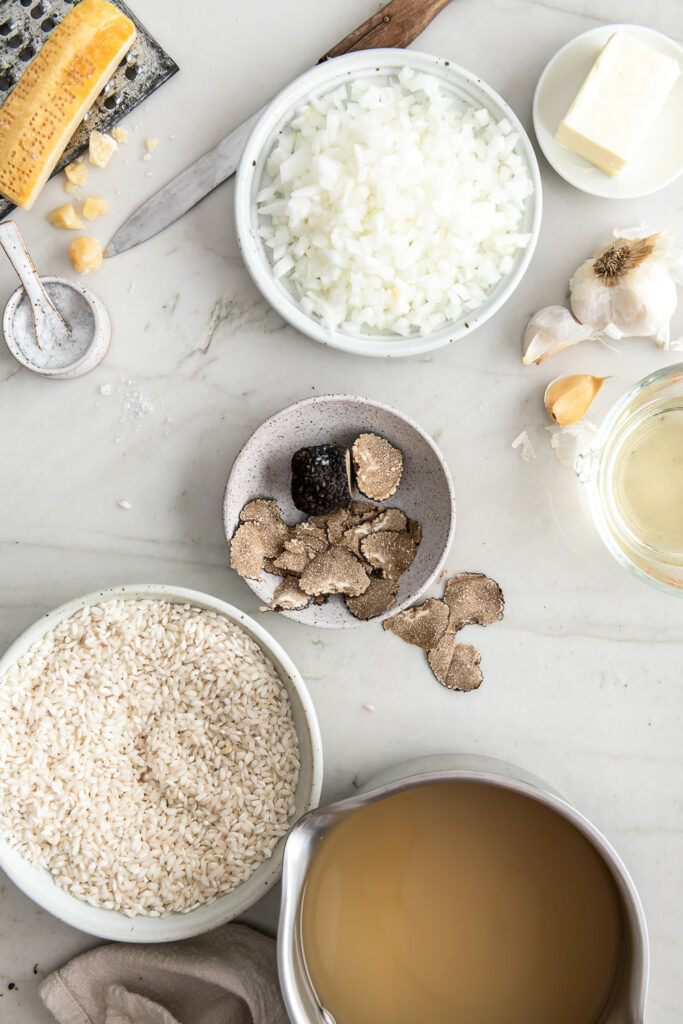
(618,102)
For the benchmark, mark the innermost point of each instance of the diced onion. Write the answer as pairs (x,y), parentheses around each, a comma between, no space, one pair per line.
(392,208)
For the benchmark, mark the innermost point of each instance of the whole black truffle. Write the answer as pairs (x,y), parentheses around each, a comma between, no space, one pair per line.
(321,478)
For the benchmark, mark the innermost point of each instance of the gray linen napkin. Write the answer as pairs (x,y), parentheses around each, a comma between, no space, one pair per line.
(228,976)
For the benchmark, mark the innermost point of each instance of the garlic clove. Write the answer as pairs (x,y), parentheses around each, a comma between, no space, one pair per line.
(568,398)
(550,330)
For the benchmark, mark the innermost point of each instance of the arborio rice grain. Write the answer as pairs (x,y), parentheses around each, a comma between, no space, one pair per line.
(148,756)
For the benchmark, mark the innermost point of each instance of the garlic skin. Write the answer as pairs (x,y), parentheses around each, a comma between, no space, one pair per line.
(628,288)
(550,330)
(569,442)
(568,398)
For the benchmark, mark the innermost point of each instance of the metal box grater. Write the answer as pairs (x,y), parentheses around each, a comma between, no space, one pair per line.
(24,27)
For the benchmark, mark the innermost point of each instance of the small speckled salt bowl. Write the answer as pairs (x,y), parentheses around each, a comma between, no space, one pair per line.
(469,91)
(263,470)
(38,883)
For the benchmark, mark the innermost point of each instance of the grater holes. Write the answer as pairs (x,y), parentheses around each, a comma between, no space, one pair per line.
(110,102)
(48,24)
(27,52)
(15,42)
(6,28)
(6,81)
(26,3)
(38,11)
(131,72)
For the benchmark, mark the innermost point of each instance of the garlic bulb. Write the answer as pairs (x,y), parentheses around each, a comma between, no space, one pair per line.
(628,288)
(550,330)
(568,398)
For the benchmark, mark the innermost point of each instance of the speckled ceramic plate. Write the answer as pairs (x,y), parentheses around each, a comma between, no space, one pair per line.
(262,470)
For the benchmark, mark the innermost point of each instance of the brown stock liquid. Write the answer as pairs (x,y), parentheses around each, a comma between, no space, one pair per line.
(460,903)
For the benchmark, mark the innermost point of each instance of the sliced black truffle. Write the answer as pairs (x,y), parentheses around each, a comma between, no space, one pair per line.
(266,515)
(364,510)
(378,466)
(247,551)
(335,571)
(422,625)
(377,598)
(390,519)
(294,558)
(321,478)
(473,599)
(389,553)
(289,595)
(456,665)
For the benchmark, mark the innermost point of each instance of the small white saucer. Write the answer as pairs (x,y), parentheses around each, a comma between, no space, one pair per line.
(659,160)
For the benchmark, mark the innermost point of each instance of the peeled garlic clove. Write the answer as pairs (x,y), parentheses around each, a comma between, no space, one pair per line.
(568,398)
(550,330)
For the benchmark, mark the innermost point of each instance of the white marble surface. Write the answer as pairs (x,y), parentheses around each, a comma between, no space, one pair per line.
(582,678)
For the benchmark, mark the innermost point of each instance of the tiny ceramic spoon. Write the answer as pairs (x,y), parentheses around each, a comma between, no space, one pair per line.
(50,328)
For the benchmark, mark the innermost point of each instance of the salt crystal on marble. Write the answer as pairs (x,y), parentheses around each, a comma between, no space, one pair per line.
(124,504)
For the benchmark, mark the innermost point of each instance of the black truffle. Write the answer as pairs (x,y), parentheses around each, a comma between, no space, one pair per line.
(321,478)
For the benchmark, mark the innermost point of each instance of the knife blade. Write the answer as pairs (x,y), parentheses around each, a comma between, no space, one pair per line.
(184,191)
(397,24)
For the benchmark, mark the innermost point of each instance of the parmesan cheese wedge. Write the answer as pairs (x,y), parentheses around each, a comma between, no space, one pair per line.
(55,91)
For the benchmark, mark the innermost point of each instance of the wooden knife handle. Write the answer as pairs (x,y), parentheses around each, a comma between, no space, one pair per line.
(397,24)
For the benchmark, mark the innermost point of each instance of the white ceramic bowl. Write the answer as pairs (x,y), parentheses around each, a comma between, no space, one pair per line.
(263,470)
(470,91)
(38,883)
(659,160)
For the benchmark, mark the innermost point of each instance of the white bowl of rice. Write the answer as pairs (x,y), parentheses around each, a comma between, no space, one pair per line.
(387,202)
(158,745)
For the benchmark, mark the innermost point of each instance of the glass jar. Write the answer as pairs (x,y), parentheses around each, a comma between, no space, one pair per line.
(599,466)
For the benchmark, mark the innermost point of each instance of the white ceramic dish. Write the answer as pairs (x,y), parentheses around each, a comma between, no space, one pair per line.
(263,470)
(38,883)
(658,162)
(470,90)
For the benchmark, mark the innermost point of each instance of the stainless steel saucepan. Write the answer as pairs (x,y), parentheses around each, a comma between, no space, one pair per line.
(627,1002)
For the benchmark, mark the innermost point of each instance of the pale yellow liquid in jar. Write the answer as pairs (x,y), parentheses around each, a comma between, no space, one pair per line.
(460,903)
(648,482)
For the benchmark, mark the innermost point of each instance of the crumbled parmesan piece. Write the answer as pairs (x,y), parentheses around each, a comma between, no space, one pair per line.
(120,135)
(101,148)
(76,174)
(151,145)
(147,156)
(65,217)
(85,254)
(94,207)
